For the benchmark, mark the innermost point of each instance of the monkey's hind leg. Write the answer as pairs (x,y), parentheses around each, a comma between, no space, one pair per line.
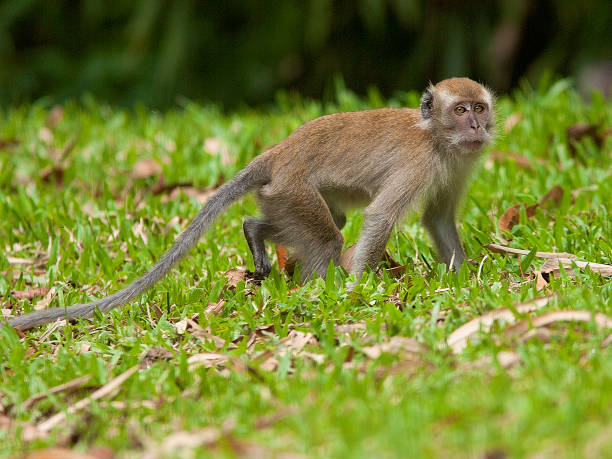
(256,231)
(305,224)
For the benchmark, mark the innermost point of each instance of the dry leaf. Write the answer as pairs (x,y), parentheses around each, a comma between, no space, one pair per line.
(579,131)
(174,221)
(178,441)
(458,339)
(511,216)
(548,318)
(207,359)
(8,144)
(46,301)
(296,340)
(552,266)
(19,261)
(508,359)
(396,345)
(61,453)
(555,195)
(103,391)
(541,283)
(55,116)
(214,309)
(199,195)
(45,135)
(520,160)
(497,248)
(154,354)
(29,294)
(355,327)
(69,386)
(234,276)
(216,146)
(146,168)
(512,121)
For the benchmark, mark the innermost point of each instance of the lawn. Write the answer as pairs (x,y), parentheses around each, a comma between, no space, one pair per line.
(204,364)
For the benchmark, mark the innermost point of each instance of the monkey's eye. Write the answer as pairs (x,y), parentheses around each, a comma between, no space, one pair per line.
(479,108)
(459,110)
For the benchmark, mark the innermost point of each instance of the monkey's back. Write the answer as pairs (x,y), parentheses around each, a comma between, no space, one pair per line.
(351,151)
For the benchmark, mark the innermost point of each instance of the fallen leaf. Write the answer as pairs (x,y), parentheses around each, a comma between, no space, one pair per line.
(552,266)
(29,294)
(548,318)
(207,359)
(511,216)
(214,309)
(69,386)
(216,146)
(146,168)
(396,345)
(174,221)
(201,196)
(45,135)
(234,276)
(19,261)
(60,453)
(28,431)
(395,269)
(55,116)
(351,328)
(199,332)
(555,195)
(579,131)
(179,441)
(541,282)
(8,144)
(106,390)
(497,248)
(46,301)
(520,160)
(512,121)
(154,354)
(508,359)
(296,340)
(458,339)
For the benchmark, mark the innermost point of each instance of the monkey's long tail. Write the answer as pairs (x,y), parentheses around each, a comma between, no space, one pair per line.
(242,183)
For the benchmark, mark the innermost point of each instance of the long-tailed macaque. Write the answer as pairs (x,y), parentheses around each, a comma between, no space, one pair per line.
(387,160)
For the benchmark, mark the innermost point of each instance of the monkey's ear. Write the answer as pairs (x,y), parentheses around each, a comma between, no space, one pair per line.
(427,104)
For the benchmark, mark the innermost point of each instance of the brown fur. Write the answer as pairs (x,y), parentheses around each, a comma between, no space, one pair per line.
(387,160)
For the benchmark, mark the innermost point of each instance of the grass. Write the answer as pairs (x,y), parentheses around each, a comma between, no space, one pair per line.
(75,218)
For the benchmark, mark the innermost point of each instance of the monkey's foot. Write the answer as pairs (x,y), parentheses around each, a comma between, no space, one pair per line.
(255,276)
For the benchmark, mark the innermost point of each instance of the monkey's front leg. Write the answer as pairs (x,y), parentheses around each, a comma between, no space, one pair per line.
(439,219)
(375,232)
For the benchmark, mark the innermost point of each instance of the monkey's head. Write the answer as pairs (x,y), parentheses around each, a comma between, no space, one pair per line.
(460,113)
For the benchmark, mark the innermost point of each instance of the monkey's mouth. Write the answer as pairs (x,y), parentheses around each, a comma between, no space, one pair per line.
(473,145)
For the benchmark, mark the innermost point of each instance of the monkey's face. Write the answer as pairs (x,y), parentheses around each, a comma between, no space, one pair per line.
(472,124)
(459,113)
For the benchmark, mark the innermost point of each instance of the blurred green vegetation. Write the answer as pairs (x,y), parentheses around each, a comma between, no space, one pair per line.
(235,51)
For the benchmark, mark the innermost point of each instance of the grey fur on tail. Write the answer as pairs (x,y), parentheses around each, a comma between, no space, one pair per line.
(242,183)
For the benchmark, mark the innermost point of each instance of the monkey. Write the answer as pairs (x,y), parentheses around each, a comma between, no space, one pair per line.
(387,160)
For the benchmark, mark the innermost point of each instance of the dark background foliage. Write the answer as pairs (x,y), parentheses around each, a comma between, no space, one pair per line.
(243,51)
